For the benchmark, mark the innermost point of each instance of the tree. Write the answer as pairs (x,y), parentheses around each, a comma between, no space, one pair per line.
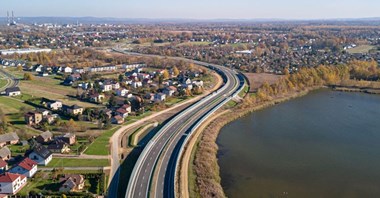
(175,71)
(191,66)
(28,76)
(3,122)
(70,126)
(165,74)
(112,101)
(19,68)
(121,78)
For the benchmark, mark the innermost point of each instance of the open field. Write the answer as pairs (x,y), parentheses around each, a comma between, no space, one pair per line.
(3,82)
(77,162)
(48,87)
(11,105)
(101,144)
(361,49)
(257,79)
(199,43)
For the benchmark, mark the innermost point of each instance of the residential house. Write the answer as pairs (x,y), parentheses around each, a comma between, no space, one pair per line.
(26,167)
(78,70)
(97,98)
(38,68)
(143,76)
(127,107)
(121,92)
(67,70)
(108,112)
(3,166)
(8,138)
(33,118)
(136,84)
(103,69)
(74,77)
(44,112)
(5,153)
(133,66)
(149,96)
(11,183)
(54,105)
(13,91)
(85,85)
(41,155)
(115,85)
(59,146)
(117,119)
(45,137)
(43,74)
(187,86)
(122,112)
(105,86)
(169,91)
(71,183)
(68,138)
(198,83)
(159,97)
(147,82)
(73,110)
(49,119)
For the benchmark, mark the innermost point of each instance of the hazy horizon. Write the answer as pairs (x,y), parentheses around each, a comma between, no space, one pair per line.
(196,9)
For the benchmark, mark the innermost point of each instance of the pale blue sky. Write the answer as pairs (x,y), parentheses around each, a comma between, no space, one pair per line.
(196,9)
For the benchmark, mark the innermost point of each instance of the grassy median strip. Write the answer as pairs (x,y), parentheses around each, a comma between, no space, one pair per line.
(77,162)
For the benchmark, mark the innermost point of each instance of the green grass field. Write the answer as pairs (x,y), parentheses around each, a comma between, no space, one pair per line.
(11,105)
(3,82)
(74,162)
(101,144)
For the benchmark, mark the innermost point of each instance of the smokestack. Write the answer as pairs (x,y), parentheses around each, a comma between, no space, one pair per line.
(13,16)
(8,20)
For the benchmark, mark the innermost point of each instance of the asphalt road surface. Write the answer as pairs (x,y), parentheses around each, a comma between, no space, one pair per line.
(160,155)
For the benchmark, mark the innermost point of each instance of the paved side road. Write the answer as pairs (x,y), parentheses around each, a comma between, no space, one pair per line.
(12,80)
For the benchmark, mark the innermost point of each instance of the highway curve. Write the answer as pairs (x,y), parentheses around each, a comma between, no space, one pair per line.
(158,161)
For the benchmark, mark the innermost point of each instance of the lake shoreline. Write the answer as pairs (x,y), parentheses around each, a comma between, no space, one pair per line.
(207,173)
(210,175)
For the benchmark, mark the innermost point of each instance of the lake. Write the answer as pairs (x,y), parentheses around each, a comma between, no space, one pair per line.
(325,144)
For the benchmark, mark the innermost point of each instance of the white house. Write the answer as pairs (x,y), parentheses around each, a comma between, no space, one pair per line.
(159,97)
(54,105)
(198,83)
(169,91)
(85,85)
(13,91)
(11,183)
(115,86)
(136,84)
(67,70)
(41,155)
(26,167)
(122,92)
(105,87)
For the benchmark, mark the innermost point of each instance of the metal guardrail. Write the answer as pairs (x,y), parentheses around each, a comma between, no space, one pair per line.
(160,133)
(199,123)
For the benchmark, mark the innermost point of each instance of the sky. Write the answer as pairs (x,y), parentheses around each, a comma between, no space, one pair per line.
(196,9)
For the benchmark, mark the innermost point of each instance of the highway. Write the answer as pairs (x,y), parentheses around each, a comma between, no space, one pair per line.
(155,170)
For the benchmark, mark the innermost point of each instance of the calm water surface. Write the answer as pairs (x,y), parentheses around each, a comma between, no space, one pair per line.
(326,144)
